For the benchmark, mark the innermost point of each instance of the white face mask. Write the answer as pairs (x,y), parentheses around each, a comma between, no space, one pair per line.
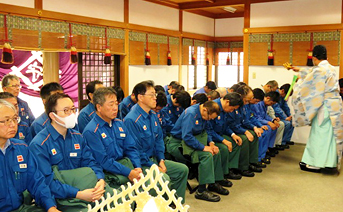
(69,121)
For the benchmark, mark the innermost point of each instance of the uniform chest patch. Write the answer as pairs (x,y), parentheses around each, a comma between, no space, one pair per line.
(196,122)
(155,123)
(21,135)
(120,129)
(103,135)
(20,158)
(76,146)
(53,151)
(144,127)
(218,117)
(123,135)
(169,111)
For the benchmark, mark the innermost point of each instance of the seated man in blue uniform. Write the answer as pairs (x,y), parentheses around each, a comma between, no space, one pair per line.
(126,105)
(142,125)
(161,102)
(11,84)
(43,120)
(23,132)
(190,134)
(239,122)
(171,88)
(88,112)
(284,113)
(59,145)
(176,104)
(112,146)
(260,111)
(18,168)
(210,86)
(227,141)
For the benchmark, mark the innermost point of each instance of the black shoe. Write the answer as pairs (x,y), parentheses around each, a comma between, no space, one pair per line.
(216,187)
(207,196)
(279,147)
(308,168)
(271,154)
(254,168)
(247,173)
(259,165)
(225,183)
(285,146)
(233,176)
(290,142)
(267,157)
(265,160)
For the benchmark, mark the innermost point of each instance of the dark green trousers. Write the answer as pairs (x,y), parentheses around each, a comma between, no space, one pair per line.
(225,157)
(249,151)
(234,155)
(210,166)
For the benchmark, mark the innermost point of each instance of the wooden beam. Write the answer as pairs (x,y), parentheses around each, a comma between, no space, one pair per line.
(197,36)
(126,11)
(301,28)
(203,13)
(180,21)
(228,39)
(204,4)
(211,1)
(180,46)
(45,14)
(218,3)
(165,3)
(228,15)
(39,4)
(141,28)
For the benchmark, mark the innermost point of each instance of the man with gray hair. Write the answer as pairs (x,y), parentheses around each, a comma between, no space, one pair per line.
(222,91)
(23,173)
(111,144)
(11,84)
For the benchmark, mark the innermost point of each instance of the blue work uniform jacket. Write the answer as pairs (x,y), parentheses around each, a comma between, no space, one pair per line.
(201,90)
(220,124)
(25,112)
(147,133)
(110,143)
(189,124)
(50,148)
(125,107)
(18,172)
(260,111)
(172,113)
(85,116)
(24,132)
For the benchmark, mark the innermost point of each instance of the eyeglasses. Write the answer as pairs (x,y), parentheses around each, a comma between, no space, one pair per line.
(151,95)
(68,111)
(7,122)
(14,86)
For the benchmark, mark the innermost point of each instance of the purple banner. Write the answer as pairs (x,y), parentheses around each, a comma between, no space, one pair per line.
(28,66)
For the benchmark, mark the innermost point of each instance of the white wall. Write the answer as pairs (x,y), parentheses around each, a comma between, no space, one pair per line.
(184,75)
(23,3)
(154,15)
(296,12)
(198,24)
(161,75)
(105,9)
(229,27)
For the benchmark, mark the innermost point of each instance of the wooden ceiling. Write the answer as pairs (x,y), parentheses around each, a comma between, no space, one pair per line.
(210,8)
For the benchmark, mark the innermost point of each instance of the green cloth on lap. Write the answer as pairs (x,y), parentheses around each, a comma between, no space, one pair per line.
(187,150)
(81,178)
(116,180)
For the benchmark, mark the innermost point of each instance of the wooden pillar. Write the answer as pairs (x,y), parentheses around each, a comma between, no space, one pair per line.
(246,41)
(124,66)
(180,47)
(124,59)
(51,66)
